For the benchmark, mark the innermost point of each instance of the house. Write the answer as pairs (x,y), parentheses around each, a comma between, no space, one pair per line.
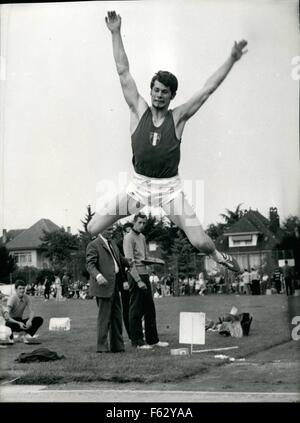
(25,245)
(253,240)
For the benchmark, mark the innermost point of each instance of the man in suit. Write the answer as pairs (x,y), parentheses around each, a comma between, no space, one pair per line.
(106,267)
(124,287)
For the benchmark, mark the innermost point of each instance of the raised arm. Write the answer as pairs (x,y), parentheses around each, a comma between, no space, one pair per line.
(188,109)
(136,103)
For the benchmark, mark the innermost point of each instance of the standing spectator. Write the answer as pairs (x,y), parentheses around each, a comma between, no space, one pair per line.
(76,289)
(154,281)
(186,286)
(197,285)
(16,305)
(255,281)
(288,278)
(264,284)
(202,283)
(277,279)
(191,285)
(170,284)
(141,298)
(65,282)
(107,270)
(246,282)
(58,289)
(124,287)
(235,285)
(47,286)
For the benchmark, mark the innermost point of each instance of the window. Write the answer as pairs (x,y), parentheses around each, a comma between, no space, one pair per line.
(243,240)
(23,258)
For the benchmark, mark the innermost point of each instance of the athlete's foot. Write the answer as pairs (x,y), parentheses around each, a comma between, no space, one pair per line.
(229,262)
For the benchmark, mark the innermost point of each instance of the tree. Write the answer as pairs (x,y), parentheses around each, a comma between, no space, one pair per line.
(58,247)
(84,236)
(215,230)
(7,264)
(27,274)
(45,273)
(184,254)
(231,217)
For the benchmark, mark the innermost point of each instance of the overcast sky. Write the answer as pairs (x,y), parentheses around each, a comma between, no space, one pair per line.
(65,124)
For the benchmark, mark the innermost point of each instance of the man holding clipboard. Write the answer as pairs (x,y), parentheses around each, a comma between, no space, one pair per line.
(141,298)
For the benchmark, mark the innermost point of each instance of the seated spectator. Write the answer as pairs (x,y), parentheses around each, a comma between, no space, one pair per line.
(16,305)
(6,335)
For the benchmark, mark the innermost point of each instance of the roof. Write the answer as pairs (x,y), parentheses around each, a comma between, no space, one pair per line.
(30,239)
(251,222)
(242,226)
(11,234)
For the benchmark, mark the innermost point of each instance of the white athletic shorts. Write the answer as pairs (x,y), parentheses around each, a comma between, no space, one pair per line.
(154,192)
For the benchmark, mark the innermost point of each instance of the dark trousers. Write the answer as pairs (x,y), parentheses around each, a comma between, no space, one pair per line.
(125,297)
(255,287)
(36,324)
(278,286)
(142,305)
(288,286)
(109,323)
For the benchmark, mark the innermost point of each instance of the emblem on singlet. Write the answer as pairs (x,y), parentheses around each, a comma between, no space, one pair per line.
(154,138)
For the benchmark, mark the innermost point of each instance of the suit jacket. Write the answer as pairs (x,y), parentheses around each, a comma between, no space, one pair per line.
(99,260)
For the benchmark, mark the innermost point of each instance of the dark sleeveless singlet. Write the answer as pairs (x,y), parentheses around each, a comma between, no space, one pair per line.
(156,150)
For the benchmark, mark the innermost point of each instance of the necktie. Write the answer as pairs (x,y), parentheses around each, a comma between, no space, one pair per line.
(113,254)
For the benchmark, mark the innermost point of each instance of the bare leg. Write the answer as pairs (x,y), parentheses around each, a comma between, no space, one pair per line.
(121,206)
(183,215)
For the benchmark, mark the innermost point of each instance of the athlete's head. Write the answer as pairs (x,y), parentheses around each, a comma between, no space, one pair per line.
(139,222)
(167,79)
(163,89)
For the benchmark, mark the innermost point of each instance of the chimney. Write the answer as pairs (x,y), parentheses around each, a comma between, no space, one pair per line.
(69,229)
(4,236)
(274,219)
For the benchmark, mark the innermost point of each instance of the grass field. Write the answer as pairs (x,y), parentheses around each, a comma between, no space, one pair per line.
(271,326)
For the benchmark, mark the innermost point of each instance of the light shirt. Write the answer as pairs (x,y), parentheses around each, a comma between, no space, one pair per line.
(134,245)
(254,275)
(16,306)
(109,248)
(246,277)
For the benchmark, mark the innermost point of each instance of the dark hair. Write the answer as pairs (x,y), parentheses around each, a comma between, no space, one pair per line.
(19,282)
(127,225)
(139,215)
(166,78)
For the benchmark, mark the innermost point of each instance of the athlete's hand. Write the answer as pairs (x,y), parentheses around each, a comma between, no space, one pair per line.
(125,286)
(113,21)
(237,50)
